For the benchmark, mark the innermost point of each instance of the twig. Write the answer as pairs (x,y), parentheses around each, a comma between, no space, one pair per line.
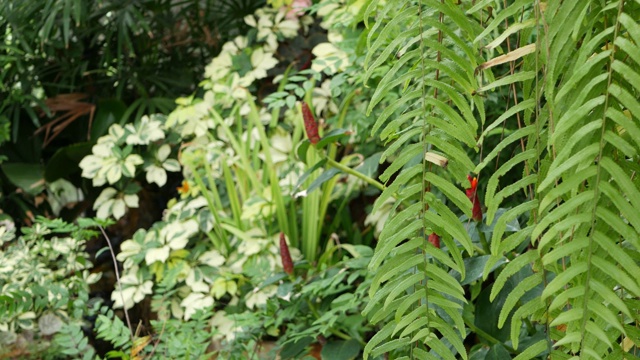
(158,341)
(115,267)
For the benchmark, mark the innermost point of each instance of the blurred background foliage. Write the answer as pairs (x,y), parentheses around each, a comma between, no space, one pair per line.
(71,68)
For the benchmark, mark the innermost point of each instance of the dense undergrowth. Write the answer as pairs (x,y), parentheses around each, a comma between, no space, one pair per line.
(379,179)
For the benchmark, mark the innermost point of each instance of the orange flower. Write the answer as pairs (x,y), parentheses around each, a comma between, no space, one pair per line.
(310,124)
(184,189)
(472,194)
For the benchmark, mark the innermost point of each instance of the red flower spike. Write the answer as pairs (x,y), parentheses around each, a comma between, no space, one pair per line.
(434,239)
(472,194)
(287,263)
(310,124)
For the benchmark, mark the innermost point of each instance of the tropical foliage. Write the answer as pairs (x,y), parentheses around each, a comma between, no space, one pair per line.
(44,295)
(426,179)
(567,69)
(70,69)
(214,259)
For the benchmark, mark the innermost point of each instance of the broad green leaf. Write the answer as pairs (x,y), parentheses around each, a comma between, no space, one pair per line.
(28,177)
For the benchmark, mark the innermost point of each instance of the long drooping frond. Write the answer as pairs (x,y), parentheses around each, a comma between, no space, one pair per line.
(589,219)
(430,65)
(583,150)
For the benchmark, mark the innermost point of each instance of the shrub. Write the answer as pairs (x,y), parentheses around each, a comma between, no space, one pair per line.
(45,278)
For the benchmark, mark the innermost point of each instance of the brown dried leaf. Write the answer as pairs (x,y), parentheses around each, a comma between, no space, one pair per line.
(510,56)
(71,108)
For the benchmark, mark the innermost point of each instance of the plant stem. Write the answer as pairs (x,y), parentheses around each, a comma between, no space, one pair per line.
(357,174)
(276,192)
(361,176)
(327,188)
(479,250)
(115,269)
(341,117)
(483,241)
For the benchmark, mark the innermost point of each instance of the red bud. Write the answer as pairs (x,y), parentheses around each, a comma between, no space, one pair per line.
(434,239)
(287,263)
(472,194)
(310,124)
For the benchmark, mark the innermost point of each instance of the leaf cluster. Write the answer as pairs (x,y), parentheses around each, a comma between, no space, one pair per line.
(45,279)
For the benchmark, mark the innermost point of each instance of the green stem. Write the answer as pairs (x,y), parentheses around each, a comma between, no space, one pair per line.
(311,225)
(360,176)
(483,241)
(341,117)
(357,174)
(327,189)
(276,192)
(479,250)
(234,200)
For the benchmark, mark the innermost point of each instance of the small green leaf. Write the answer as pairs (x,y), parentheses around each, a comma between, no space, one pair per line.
(475,268)
(324,177)
(341,350)
(293,349)
(497,352)
(331,137)
(302,150)
(291,101)
(309,171)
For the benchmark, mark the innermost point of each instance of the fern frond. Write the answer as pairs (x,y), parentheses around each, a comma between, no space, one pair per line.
(588,207)
(412,288)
